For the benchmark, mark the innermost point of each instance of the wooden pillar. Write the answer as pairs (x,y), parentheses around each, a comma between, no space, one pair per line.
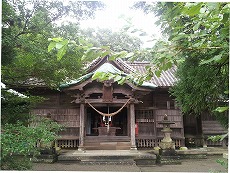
(168,104)
(132,128)
(82,127)
(128,121)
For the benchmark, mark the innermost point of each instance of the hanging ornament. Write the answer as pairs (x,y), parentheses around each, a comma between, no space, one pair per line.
(108,121)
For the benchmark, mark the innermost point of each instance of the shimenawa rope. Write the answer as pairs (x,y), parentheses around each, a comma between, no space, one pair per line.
(110,114)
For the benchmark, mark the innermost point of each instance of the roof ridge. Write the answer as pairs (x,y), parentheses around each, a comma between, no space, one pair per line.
(139,62)
(93,63)
(125,65)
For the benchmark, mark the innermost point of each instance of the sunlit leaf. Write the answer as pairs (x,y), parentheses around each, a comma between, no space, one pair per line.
(96,75)
(196,26)
(129,55)
(59,45)
(117,78)
(202,10)
(158,73)
(122,81)
(105,53)
(222,109)
(51,46)
(215,58)
(58,39)
(61,52)
(226,92)
(194,10)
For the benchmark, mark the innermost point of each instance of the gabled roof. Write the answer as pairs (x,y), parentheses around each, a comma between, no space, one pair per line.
(167,78)
(106,67)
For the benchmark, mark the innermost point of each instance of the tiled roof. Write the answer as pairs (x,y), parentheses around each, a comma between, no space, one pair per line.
(125,65)
(93,63)
(106,68)
(166,79)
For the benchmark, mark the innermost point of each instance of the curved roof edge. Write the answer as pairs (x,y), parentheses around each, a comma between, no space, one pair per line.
(106,68)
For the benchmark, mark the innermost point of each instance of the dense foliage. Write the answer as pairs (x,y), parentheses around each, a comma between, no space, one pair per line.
(26,27)
(20,142)
(117,41)
(18,136)
(197,40)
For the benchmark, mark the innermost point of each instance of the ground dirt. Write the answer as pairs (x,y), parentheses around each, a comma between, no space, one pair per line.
(188,165)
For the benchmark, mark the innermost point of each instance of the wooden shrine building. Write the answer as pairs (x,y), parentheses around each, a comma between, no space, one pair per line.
(106,115)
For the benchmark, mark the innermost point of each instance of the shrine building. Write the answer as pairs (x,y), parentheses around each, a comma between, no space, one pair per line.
(108,116)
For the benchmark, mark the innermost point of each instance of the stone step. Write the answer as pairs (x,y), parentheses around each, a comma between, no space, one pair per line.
(93,147)
(145,162)
(123,147)
(108,162)
(107,139)
(103,155)
(107,145)
(108,159)
(96,143)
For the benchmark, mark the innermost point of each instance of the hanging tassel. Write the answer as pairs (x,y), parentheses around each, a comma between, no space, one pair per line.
(108,128)
(108,121)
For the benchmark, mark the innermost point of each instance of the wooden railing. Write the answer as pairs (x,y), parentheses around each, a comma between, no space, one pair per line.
(146,143)
(150,143)
(68,142)
(140,143)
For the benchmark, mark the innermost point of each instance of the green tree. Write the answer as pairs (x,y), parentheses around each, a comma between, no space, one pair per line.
(24,17)
(117,41)
(26,27)
(18,136)
(198,42)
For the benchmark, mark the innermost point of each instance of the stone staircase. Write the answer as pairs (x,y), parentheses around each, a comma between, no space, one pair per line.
(103,157)
(107,143)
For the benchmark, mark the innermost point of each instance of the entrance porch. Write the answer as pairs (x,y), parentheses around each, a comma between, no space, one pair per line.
(107,143)
(96,124)
(107,133)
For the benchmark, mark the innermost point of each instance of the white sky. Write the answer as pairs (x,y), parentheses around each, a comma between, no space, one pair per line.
(110,18)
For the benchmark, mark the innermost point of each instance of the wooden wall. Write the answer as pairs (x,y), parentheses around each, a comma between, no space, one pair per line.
(151,112)
(149,133)
(59,106)
(155,105)
(162,100)
(148,122)
(55,99)
(147,101)
(68,117)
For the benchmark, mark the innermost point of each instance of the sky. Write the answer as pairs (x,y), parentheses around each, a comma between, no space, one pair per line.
(110,17)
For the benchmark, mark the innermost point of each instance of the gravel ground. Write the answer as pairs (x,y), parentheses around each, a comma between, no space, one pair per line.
(192,165)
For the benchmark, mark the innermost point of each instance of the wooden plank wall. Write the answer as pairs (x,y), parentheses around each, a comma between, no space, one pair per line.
(150,133)
(56,100)
(160,101)
(174,116)
(190,125)
(70,118)
(147,101)
(145,120)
